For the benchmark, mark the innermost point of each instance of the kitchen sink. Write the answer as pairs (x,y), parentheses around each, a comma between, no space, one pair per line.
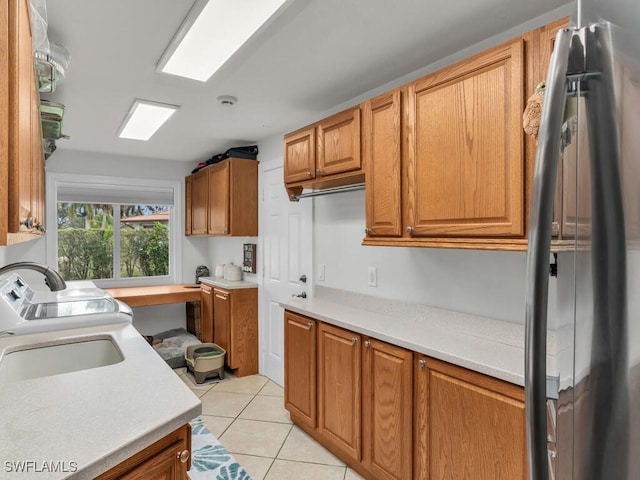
(32,361)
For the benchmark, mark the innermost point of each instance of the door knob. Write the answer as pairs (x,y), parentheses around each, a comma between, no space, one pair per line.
(303,278)
(300,295)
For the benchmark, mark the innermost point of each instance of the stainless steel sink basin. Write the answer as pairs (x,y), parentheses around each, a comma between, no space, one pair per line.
(42,361)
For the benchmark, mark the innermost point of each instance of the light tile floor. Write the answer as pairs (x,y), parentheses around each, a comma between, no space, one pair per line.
(248,416)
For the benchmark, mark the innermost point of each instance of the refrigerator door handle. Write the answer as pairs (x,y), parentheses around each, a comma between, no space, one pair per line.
(609,420)
(537,281)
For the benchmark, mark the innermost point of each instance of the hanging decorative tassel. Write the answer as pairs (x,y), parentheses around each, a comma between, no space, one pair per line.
(533,111)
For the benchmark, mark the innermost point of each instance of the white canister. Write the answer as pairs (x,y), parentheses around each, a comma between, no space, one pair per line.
(219,271)
(233,273)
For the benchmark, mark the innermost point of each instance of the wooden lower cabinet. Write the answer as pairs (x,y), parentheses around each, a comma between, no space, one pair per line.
(387,410)
(467,425)
(339,391)
(392,414)
(300,368)
(235,328)
(167,459)
(206,314)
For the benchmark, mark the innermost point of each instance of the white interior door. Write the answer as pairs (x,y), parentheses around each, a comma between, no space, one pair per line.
(286,231)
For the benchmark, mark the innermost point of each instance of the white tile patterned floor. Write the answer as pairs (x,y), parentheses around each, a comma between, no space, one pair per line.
(248,416)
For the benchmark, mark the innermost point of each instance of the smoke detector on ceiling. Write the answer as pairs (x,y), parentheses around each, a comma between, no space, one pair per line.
(227,100)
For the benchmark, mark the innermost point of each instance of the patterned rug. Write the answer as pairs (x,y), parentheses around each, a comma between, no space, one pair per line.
(209,459)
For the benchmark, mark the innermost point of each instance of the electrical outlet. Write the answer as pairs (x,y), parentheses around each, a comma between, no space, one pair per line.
(321,272)
(372,277)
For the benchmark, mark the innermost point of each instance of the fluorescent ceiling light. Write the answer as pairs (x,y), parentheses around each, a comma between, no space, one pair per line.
(212,32)
(145,118)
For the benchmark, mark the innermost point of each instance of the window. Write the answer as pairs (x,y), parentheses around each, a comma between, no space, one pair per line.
(113,231)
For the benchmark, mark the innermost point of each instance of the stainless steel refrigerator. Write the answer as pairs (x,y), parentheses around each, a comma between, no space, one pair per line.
(583,404)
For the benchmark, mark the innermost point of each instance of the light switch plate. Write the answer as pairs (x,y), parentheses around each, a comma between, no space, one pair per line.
(321,272)
(372,277)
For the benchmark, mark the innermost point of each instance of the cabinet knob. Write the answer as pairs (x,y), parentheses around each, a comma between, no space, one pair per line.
(318,170)
(308,174)
(310,325)
(184,456)
(354,340)
(422,363)
(367,343)
(367,230)
(409,230)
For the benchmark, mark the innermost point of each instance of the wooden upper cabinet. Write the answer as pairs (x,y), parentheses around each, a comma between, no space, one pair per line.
(381,145)
(300,368)
(339,143)
(199,202)
(387,410)
(21,153)
(223,199)
(300,155)
(468,425)
(324,155)
(219,199)
(339,390)
(466,158)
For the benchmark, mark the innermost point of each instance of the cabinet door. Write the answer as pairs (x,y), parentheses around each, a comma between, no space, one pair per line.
(387,407)
(21,98)
(300,155)
(167,459)
(206,314)
(339,390)
(187,205)
(219,199)
(339,143)
(199,202)
(381,134)
(243,330)
(474,428)
(222,322)
(466,160)
(163,466)
(300,368)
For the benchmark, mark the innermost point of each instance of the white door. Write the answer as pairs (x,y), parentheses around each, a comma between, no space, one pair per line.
(286,232)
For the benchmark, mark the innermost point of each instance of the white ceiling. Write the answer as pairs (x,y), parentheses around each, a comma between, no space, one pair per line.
(315,55)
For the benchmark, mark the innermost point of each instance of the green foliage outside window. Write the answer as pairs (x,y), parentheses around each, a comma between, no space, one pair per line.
(85,244)
(88,253)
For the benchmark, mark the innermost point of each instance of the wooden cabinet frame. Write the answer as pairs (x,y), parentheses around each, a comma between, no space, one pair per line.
(21,154)
(393,414)
(222,199)
(325,154)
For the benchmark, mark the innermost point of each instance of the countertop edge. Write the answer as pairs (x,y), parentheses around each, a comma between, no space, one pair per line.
(227,285)
(502,368)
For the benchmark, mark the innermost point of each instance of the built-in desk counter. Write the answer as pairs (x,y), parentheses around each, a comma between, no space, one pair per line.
(156,294)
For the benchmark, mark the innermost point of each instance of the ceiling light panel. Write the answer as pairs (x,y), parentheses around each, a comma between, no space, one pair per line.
(212,32)
(145,118)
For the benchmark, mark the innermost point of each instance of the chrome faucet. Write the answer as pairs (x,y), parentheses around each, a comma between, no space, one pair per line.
(52,278)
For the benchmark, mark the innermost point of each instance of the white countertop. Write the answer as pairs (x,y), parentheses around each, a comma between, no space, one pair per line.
(226,284)
(485,345)
(94,418)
